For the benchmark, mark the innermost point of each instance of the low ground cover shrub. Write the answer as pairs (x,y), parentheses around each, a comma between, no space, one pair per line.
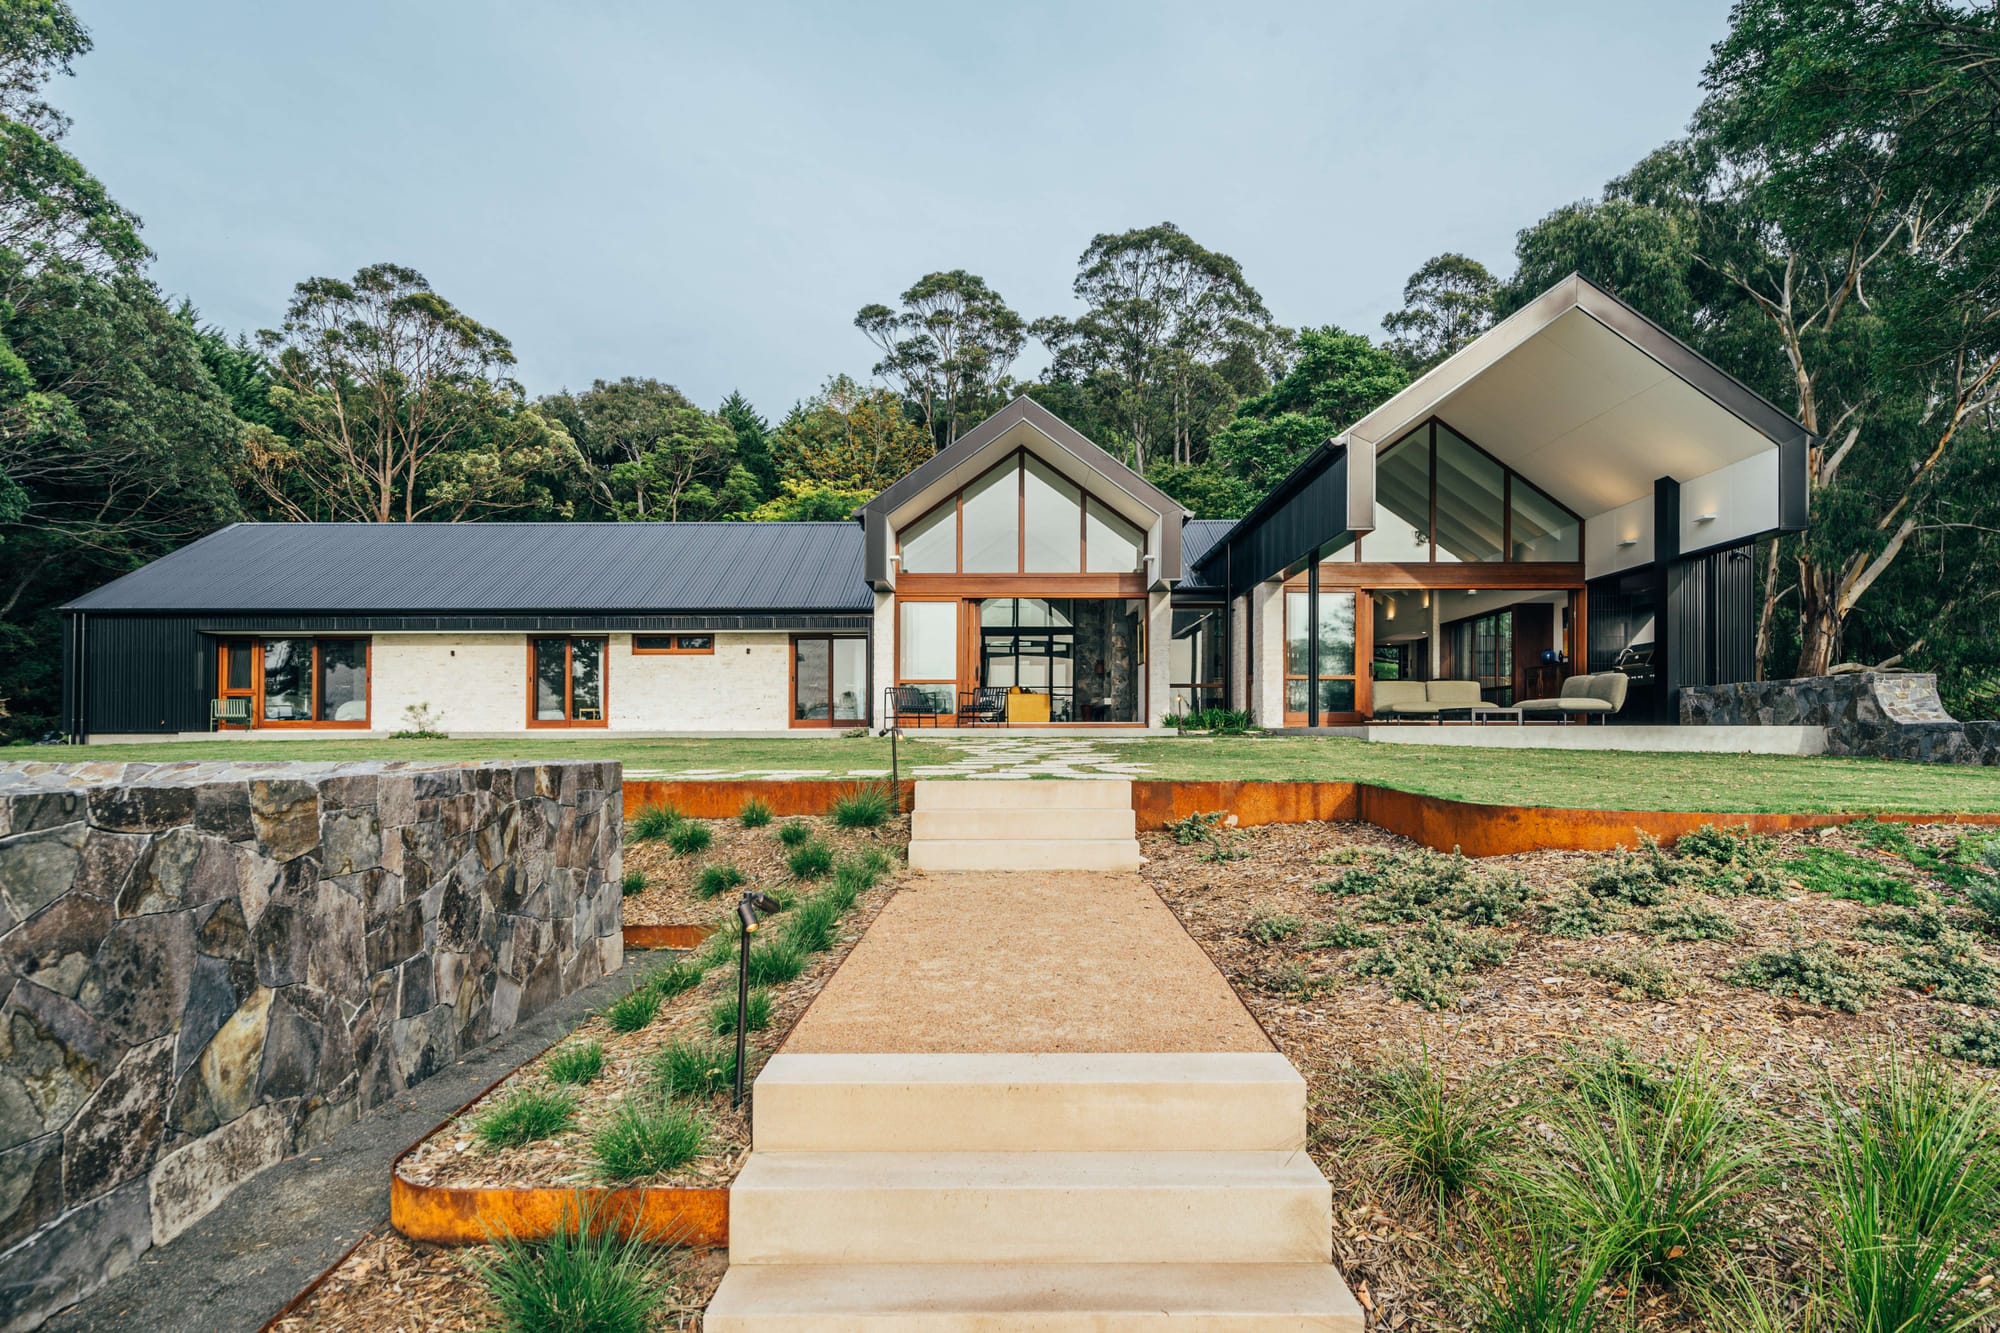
(1644,878)
(863,807)
(1975,1039)
(1961,864)
(645,1137)
(756,813)
(1639,974)
(577,1063)
(1423,885)
(1816,973)
(585,1278)
(1949,968)
(1985,901)
(1575,915)
(1425,964)
(1341,933)
(1296,979)
(714,881)
(654,822)
(523,1115)
(1689,919)
(1268,925)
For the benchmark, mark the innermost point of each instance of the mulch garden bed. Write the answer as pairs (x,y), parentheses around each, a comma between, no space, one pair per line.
(669,898)
(392,1283)
(1263,918)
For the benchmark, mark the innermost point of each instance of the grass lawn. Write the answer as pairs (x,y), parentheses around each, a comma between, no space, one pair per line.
(1589,779)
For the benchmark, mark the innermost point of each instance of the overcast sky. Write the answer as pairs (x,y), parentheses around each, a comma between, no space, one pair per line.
(707,193)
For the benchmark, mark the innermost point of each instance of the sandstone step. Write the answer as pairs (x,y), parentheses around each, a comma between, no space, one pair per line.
(1086,823)
(1025,854)
(1036,1207)
(1049,1298)
(1016,794)
(1024,1103)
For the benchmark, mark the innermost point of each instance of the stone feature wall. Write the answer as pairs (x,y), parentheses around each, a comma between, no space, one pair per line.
(208,967)
(1877,714)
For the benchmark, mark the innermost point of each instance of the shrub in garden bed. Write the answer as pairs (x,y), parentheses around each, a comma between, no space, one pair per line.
(722,1014)
(1839,874)
(654,822)
(689,837)
(1639,974)
(585,1278)
(1816,973)
(1576,915)
(694,1069)
(578,1062)
(1975,1039)
(1689,919)
(714,881)
(812,860)
(1267,925)
(1424,965)
(645,1137)
(1951,969)
(863,807)
(670,981)
(524,1115)
(1438,1139)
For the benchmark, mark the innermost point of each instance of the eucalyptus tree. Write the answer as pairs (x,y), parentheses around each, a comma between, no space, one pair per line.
(1172,336)
(947,348)
(1446,304)
(650,454)
(398,407)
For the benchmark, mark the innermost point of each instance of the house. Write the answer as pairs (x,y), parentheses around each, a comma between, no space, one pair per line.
(1577,490)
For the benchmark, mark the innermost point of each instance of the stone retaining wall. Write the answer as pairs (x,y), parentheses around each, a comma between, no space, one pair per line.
(1879,714)
(207,967)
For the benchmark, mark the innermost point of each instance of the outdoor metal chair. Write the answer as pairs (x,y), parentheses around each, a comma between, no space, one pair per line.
(987,705)
(908,703)
(228,712)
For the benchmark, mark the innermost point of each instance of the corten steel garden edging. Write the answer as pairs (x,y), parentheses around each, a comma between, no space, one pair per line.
(1477,829)
(666,937)
(700,798)
(478,1215)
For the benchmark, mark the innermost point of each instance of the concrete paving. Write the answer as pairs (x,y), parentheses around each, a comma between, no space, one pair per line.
(239,1266)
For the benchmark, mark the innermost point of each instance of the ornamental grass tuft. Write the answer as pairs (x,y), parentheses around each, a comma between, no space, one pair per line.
(633,882)
(775,960)
(694,1069)
(814,860)
(794,832)
(689,837)
(756,813)
(654,822)
(714,881)
(645,1137)
(577,1063)
(524,1115)
(633,1010)
(1436,1137)
(863,807)
(722,1014)
(585,1278)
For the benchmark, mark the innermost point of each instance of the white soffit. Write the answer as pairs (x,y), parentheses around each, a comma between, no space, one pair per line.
(1026,435)
(1574,407)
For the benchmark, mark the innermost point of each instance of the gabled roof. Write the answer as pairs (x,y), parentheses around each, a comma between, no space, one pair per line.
(502,567)
(1057,443)
(1023,410)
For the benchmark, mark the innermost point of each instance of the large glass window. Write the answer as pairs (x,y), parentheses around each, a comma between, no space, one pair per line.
(1438,497)
(1065,659)
(1111,545)
(1481,648)
(991,514)
(1052,521)
(1021,516)
(1195,660)
(829,680)
(929,644)
(294,682)
(930,545)
(1402,502)
(1539,528)
(566,676)
(1331,677)
(1471,501)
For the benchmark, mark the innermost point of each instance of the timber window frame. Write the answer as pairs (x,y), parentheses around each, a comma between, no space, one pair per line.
(574,714)
(240,662)
(673,645)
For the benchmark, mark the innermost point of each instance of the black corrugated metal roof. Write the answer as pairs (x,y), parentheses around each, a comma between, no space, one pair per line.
(393,567)
(1198,538)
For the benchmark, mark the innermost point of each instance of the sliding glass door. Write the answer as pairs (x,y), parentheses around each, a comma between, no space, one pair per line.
(1327,673)
(829,681)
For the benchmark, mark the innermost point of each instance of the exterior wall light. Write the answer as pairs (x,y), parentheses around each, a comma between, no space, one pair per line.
(1704,518)
(1628,541)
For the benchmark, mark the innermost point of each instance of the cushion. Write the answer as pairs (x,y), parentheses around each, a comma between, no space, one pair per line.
(1414,707)
(1454,693)
(1390,693)
(1609,687)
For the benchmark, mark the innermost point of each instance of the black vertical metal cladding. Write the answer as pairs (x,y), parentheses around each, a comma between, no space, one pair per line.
(1312,640)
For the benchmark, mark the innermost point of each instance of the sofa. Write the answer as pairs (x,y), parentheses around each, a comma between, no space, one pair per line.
(1408,699)
(1600,695)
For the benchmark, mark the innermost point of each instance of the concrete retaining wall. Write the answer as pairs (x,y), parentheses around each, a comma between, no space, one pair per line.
(1876,714)
(208,967)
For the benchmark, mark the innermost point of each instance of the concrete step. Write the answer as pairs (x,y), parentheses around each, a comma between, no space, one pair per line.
(1027,1103)
(1028,1208)
(1054,794)
(1049,1298)
(1086,823)
(1025,854)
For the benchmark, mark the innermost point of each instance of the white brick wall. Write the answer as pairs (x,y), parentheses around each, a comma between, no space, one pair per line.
(479,682)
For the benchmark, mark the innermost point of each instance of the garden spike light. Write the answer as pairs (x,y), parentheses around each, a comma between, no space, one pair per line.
(747,908)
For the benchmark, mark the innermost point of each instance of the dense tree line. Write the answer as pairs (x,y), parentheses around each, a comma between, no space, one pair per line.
(1826,231)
